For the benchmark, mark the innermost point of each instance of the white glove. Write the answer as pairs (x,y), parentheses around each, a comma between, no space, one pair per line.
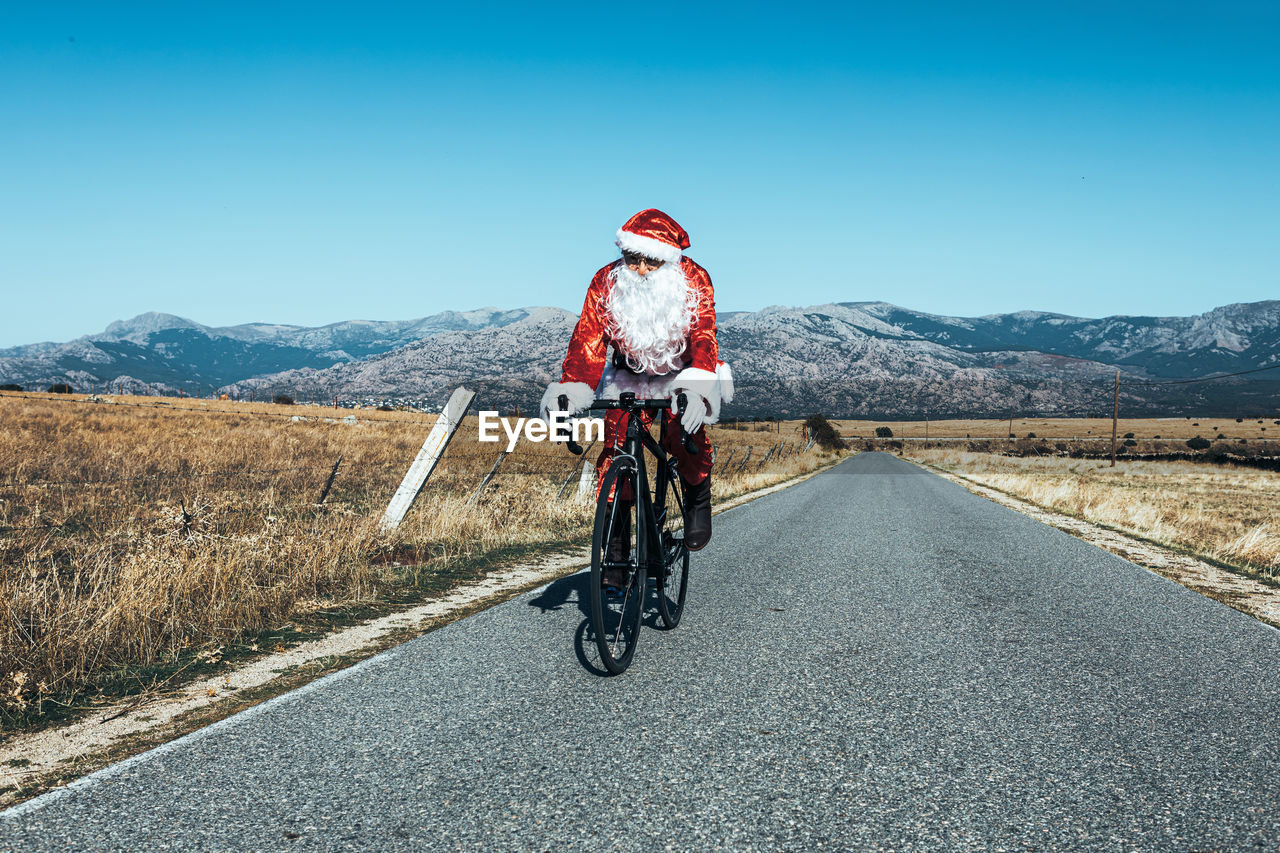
(697,411)
(580,395)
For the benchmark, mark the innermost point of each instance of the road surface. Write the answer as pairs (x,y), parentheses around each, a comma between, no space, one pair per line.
(874,659)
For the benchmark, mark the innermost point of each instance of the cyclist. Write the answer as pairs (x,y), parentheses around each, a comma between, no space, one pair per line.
(655,308)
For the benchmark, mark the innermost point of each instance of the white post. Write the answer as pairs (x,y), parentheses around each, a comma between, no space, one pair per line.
(432,449)
(587,482)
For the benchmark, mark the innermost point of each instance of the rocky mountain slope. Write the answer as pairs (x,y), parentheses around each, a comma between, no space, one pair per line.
(872,360)
(847,359)
(168,352)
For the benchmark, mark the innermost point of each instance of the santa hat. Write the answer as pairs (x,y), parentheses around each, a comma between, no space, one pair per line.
(653,234)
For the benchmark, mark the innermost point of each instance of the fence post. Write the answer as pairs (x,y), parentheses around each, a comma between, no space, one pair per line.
(573,469)
(745,459)
(729,458)
(588,479)
(768,456)
(475,496)
(328,484)
(432,449)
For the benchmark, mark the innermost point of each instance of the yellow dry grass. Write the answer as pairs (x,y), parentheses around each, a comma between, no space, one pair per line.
(136,530)
(1224,512)
(1143,429)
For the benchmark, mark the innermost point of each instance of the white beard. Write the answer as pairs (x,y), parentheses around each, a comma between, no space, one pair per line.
(649,317)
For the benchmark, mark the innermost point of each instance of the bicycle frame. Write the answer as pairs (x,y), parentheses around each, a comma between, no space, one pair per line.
(650,551)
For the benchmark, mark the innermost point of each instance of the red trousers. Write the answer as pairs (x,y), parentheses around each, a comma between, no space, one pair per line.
(693,469)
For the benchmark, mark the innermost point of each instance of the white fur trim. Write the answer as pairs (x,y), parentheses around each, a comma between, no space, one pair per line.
(614,381)
(716,388)
(647,246)
(725,376)
(579,393)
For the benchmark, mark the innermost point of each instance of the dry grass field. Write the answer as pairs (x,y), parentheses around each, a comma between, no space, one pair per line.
(1221,511)
(1180,429)
(137,532)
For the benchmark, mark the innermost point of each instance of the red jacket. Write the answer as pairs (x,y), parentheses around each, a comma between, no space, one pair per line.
(589,346)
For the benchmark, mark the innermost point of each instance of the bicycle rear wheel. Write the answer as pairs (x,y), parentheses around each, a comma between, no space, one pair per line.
(615,609)
(673,581)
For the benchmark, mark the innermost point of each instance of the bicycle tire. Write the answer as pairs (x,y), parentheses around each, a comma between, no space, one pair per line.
(615,618)
(672,583)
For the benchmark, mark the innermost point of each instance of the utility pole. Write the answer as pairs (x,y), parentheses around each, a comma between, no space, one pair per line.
(1011,425)
(1115,420)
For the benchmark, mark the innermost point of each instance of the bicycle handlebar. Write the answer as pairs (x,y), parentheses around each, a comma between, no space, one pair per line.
(628,401)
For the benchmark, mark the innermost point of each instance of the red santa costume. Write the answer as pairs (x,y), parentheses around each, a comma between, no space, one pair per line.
(661,326)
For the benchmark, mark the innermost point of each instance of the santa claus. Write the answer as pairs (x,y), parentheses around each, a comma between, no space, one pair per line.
(655,308)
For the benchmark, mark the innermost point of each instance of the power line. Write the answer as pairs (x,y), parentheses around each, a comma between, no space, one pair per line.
(1144,383)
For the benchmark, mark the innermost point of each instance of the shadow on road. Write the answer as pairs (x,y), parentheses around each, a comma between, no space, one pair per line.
(560,594)
(574,590)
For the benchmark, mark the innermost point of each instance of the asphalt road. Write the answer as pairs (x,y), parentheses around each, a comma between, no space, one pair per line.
(874,659)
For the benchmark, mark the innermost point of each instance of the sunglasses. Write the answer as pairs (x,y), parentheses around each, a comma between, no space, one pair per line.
(634,259)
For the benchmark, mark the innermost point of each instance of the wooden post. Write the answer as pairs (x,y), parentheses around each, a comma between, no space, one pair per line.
(588,479)
(484,483)
(769,455)
(328,484)
(729,459)
(1115,420)
(746,459)
(432,449)
(573,469)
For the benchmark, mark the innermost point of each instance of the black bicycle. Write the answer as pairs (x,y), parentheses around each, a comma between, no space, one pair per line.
(619,581)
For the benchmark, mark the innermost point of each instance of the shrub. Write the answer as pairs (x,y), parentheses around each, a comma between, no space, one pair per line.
(1239,420)
(385,408)
(884,432)
(1199,443)
(824,434)
(1031,435)
(61,388)
(9,386)
(1129,435)
(1129,442)
(282,400)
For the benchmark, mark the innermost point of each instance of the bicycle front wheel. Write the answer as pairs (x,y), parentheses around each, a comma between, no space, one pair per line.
(673,580)
(616,586)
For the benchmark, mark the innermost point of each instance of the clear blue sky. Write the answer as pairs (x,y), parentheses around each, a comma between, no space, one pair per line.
(308,163)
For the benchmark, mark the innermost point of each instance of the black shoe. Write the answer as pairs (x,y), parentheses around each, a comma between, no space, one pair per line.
(619,546)
(697,514)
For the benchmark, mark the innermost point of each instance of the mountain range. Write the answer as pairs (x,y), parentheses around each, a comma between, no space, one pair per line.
(848,359)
